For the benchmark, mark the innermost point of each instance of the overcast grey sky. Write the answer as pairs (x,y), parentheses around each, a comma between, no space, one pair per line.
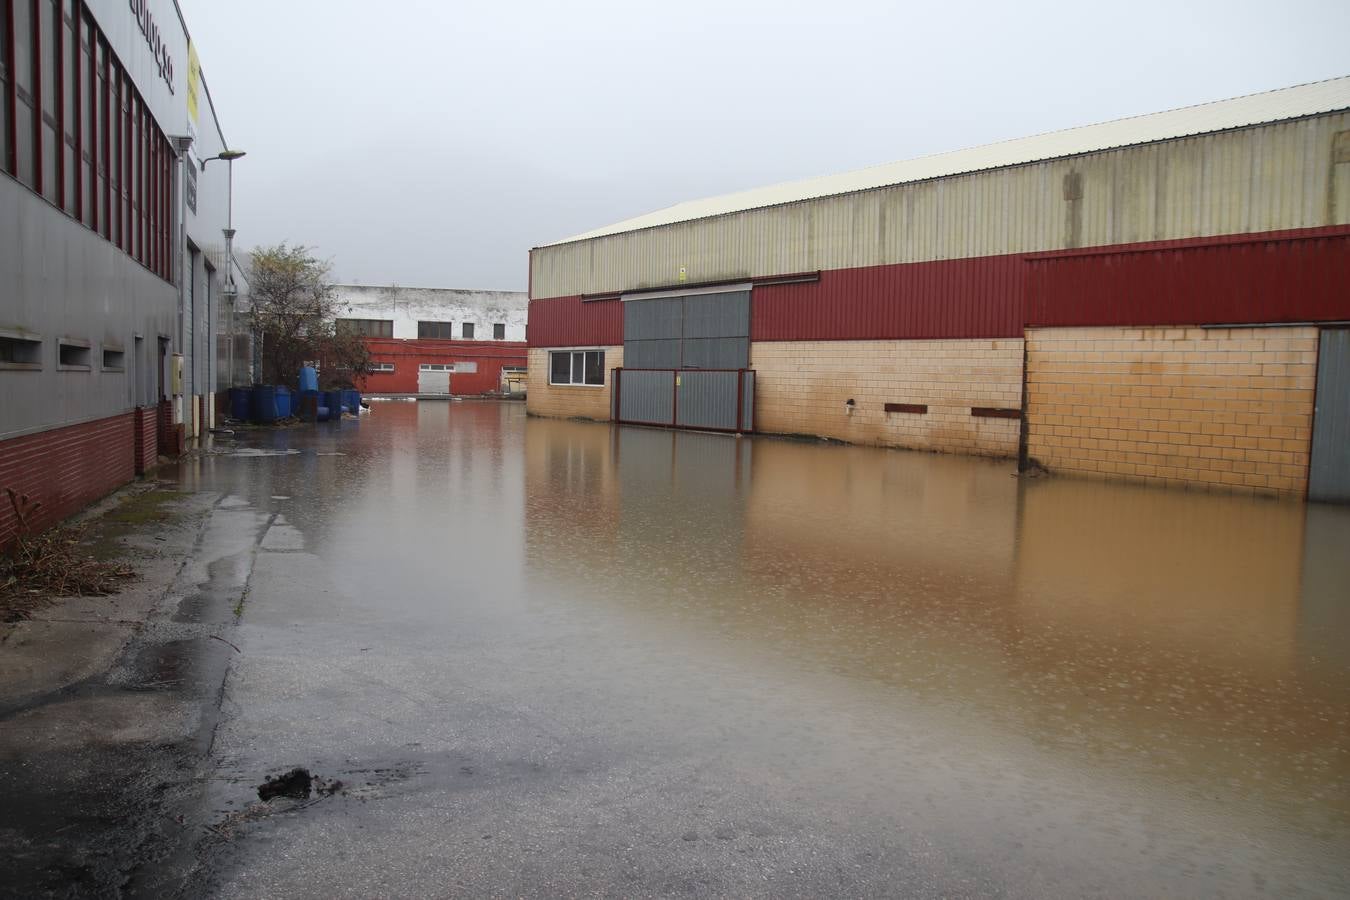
(432,143)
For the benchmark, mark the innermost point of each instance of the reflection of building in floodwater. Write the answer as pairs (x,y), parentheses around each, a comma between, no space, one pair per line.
(602,501)
(1175,572)
(1324,608)
(1178,625)
(1157,633)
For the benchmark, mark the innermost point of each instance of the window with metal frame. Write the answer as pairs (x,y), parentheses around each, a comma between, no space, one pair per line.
(381,367)
(467,331)
(75,130)
(367,327)
(435,330)
(499,331)
(577,367)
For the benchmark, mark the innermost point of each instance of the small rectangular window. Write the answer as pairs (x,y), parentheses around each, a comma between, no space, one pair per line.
(74,355)
(467,331)
(19,351)
(585,367)
(114,359)
(381,367)
(499,331)
(462,367)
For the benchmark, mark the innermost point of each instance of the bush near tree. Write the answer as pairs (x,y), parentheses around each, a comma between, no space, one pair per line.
(294,313)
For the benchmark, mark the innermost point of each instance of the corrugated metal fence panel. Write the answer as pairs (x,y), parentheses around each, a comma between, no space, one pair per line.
(573,322)
(1286,279)
(1265,178)
(646,397)
(707,400)
(1329,473)
(964,298)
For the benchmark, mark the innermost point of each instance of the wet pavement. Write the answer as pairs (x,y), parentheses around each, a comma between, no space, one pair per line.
(552,658)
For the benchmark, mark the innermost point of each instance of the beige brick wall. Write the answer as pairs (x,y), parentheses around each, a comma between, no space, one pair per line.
(1225,408)
(801,388)
(570,401)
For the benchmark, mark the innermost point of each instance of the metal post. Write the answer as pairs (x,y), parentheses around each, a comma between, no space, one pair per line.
(230,289)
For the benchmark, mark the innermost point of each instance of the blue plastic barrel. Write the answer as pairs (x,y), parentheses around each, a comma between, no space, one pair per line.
(351,399)
(239,403)
(264,403)
(283,402)
(309,379)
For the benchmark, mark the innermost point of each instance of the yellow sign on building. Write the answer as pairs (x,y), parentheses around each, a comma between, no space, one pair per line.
(194,73)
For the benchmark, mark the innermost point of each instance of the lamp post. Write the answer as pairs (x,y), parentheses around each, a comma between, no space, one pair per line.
(231,292)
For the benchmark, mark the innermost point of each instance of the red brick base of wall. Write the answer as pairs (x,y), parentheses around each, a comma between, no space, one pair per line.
(170,435)
(146,424)
(66,469)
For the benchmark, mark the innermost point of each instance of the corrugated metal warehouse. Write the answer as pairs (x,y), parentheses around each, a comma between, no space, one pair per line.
(1149,298)
(118,272)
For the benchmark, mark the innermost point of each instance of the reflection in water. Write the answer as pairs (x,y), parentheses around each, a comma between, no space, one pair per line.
(1185,645)
(1115,688)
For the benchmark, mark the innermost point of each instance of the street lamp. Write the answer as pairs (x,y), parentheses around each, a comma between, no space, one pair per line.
(230,291)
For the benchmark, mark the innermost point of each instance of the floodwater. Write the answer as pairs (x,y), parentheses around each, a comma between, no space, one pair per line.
(628,661)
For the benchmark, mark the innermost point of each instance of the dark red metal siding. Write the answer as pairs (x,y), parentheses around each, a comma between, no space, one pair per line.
(1277,277)
(961,298)
(1290,276)
(572,322)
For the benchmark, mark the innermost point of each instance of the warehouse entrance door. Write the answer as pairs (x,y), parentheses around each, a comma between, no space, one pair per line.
(434,378)
(700,329)
(1329,473)
(686,358)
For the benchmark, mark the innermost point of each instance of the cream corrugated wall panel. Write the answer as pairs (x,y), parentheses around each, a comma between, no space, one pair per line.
(1266,178)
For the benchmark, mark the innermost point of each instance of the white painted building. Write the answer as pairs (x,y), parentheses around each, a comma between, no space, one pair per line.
(408,313)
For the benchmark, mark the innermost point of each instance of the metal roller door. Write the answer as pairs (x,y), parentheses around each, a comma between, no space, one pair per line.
(1329,473)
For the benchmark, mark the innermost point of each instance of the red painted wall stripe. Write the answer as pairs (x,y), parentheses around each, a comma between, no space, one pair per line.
(964,298)
(1285,276)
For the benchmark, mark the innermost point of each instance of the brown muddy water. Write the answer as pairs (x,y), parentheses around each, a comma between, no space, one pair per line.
(1064,686)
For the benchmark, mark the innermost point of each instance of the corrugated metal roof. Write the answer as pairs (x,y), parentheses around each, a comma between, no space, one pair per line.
(1254,109)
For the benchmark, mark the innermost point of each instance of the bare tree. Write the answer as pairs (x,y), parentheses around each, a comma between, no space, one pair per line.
(295,318)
